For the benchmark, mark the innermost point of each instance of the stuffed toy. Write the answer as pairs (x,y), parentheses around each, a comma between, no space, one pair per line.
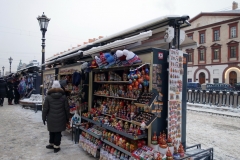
(119,57)
(109,59)
(131,57)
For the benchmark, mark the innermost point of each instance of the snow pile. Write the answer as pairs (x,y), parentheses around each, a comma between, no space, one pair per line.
(35,98)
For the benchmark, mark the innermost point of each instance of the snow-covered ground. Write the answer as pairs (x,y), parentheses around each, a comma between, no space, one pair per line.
(217,131)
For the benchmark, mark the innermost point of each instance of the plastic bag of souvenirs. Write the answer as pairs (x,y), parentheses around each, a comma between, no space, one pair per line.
(76,119)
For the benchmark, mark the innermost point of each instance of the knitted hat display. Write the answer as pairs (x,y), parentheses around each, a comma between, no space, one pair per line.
(84,66)
(109,59)
(94,64)
(76,78)
(56,84)
(131,57)
(63,83)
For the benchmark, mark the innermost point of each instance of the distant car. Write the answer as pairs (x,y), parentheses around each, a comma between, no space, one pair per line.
(207,86)
(222,87)
(194,86)
(237,86)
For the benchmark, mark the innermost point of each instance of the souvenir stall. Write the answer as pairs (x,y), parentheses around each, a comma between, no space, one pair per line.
(131,115)
(71,78)
(136,107)
(32,79)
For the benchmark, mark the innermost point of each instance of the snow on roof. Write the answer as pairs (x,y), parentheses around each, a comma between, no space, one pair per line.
(129,30)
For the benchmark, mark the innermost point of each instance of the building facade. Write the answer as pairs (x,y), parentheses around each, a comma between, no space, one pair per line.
(216,59)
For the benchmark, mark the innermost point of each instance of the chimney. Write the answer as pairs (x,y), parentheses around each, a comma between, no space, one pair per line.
(234,5)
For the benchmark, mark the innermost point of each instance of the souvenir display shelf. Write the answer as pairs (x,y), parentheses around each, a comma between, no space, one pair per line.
(92,121)
(115,97)
(117,147)
(91,133)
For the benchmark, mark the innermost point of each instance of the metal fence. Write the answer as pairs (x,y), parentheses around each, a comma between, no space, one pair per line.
(218,98)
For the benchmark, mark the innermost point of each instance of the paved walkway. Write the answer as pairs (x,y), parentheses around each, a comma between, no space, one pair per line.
(24,137)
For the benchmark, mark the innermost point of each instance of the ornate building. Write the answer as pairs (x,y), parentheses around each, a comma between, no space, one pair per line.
(216,60)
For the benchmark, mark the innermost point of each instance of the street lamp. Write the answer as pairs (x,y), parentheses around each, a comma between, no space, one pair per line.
(3,70)
(43,23)
(10,61)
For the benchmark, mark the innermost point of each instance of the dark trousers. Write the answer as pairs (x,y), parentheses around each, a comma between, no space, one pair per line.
(10,100)
(16,97)
(55,138)
(1,101)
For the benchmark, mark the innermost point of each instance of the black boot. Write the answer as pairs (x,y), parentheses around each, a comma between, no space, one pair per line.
(50,146)
(56,149)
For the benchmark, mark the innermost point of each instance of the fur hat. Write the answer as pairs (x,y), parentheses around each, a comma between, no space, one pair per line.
(56,84)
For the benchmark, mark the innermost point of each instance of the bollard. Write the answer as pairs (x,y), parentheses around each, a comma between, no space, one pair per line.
(220,101)
(227,99)
(235,99)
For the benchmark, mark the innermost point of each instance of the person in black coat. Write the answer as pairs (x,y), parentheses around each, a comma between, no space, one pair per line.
(16,93)
(56,113)
(3,90)
(10,90)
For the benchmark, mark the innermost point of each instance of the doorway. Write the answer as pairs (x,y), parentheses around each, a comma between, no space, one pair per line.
(232,78)
(202,78)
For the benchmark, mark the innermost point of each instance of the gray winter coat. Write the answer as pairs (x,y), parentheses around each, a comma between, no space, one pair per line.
(55,110)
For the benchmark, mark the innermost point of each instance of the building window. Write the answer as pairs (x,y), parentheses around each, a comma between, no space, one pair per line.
(216,35)
(190,57)
(189,79)
(233,30)
(216,54)
(202,55)
(215,80)
(233,52)
(202,36)
(190,35)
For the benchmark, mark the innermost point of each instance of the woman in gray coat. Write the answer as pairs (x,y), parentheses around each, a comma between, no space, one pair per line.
(56,112)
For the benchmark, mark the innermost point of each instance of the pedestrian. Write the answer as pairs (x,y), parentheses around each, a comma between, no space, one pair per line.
(16,93)
(22,88)
(56,113)
(3,90)
(10,90)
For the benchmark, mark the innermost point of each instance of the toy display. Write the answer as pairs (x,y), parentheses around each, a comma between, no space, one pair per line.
(90,144)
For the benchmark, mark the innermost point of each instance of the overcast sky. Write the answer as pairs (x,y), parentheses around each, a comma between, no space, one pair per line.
(75,21)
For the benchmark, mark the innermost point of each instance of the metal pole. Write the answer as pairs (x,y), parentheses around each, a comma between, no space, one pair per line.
(10,66)
(3,71)
(43,52)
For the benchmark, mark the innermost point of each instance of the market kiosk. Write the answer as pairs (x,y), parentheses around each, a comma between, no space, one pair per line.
(136,106)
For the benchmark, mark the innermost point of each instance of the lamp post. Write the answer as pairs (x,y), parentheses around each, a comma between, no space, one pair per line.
(3,70)
(10,61)
(43,23)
